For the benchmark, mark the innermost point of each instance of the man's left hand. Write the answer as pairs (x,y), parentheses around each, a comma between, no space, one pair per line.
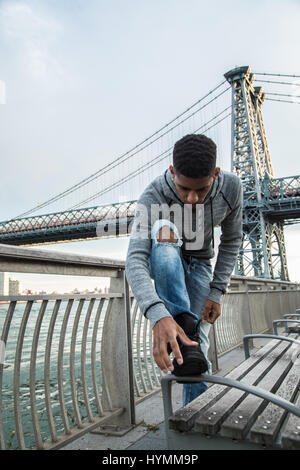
(211,311)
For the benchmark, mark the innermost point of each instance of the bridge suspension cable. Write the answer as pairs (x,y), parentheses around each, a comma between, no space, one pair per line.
(277,75)
(283,101)
(278,83)
(286,95)
(164,130)
(134,150)
(283,94)
(151,163)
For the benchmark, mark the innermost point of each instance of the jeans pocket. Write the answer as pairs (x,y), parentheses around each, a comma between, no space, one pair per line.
(203,269)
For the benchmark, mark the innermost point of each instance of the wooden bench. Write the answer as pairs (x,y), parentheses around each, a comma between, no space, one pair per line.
(255,406)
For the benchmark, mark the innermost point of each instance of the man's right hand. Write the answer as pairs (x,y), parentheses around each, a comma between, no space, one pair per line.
(166,331)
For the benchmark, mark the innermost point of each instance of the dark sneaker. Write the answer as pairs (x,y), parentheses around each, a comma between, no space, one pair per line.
(194,362)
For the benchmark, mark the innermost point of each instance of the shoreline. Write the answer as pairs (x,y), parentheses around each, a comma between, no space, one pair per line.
(24,301)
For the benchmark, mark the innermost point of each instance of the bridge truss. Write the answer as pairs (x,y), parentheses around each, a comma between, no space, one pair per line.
(269,202)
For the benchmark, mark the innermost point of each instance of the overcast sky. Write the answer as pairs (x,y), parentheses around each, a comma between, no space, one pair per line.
(85,80)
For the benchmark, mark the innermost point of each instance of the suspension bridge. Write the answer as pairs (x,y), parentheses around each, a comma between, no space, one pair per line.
(231,114)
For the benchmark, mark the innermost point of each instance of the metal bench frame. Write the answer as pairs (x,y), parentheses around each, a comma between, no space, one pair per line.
(275,322)
(166,384)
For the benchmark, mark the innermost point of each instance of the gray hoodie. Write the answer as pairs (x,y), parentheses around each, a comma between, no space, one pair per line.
(222,206)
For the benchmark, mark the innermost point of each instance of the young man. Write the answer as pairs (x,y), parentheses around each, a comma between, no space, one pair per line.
(172,242)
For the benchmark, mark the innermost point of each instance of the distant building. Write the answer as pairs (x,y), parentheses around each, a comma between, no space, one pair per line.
(4,284)
(14,287)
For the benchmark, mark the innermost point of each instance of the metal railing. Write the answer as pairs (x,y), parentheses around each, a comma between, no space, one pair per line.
(37,334)
(68,358)
(250,306)
(76,363)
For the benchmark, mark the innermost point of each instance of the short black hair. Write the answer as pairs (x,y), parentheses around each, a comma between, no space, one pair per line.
(194,156)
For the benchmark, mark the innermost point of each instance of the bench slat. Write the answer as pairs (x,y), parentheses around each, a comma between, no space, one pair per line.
(184,418)
(294,328)
(239,422)
(291,433)
(210,421)
(266,428)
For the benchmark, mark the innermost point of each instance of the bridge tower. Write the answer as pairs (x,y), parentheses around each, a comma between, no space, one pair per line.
(262,253)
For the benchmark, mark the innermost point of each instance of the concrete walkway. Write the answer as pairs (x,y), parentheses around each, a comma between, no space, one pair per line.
(149,434)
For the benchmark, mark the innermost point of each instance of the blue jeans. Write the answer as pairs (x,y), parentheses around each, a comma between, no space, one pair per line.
(184,287)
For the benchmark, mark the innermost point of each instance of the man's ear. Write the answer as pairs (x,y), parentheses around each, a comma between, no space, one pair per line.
(172,171)
(217,171)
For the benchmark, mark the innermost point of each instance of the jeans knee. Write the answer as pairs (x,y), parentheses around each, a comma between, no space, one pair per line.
(166,234)
(164,231)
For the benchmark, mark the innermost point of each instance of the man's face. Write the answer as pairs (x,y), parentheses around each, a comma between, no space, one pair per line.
(193,190)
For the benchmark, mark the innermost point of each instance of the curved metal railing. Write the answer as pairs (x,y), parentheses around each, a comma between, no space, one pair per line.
(52,368)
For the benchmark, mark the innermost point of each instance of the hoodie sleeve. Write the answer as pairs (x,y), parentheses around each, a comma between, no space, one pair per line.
(137,264)
(230,242)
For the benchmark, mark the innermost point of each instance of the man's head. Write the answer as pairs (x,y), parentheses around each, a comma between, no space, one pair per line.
(194,167)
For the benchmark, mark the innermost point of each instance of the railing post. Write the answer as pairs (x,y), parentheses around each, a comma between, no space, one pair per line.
(281,301)
(246,312)
(292,298)
(212,352)
(117,362)
(269,306)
